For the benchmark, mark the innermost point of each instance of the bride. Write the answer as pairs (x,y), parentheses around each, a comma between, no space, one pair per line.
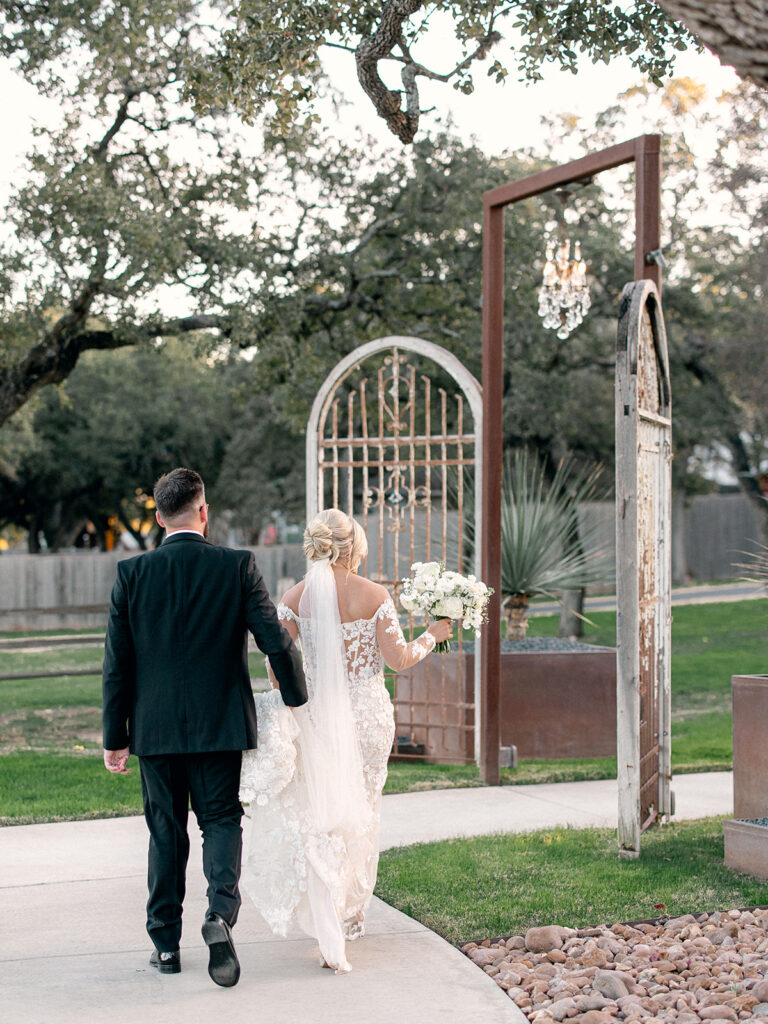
(314,782)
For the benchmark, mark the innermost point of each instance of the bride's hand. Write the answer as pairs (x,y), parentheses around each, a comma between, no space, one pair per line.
(442,630)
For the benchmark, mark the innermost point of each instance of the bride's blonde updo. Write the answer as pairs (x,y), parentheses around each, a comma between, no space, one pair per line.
(334,535)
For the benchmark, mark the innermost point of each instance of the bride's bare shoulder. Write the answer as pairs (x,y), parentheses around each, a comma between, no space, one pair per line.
(371,596)
(292,597)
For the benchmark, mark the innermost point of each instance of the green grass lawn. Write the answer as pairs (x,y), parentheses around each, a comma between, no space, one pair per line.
(54,718)
(55,786)
(496,886)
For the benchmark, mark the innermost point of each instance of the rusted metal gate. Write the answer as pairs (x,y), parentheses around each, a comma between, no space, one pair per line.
(643,550)
(395,446)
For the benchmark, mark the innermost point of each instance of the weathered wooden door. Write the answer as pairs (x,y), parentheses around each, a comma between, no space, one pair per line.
(393,439)
(643,569)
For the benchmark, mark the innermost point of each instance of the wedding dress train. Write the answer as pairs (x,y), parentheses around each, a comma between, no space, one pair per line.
(314,782)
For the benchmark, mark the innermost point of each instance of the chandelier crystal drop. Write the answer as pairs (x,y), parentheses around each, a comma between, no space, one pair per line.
(564,294)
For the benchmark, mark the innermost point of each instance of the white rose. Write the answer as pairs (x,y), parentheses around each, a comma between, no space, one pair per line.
(407,602)
(448,608)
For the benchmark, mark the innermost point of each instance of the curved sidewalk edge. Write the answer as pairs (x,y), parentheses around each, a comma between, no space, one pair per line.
(450,813)
(72,896)
(75,893)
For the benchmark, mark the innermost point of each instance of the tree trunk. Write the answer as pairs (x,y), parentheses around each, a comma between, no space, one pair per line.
(516,616)
(749,483)
(737,31)
(571,623)
(136,534)
(33,536)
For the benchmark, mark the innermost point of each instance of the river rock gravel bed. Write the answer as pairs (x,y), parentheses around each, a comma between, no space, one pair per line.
(703,967)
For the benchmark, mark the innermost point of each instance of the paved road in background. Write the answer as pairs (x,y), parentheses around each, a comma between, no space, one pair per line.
(704,593)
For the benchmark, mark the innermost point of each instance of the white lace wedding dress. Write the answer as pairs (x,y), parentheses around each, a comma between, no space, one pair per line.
(295,870)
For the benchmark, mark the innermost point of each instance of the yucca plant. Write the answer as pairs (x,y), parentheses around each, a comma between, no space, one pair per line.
(757,565)
(543,548)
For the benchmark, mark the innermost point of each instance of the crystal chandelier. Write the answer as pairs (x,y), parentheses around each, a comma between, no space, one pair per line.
(564,294)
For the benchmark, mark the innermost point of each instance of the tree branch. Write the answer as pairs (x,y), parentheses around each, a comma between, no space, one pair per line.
(379,46)
(376,47)
(99,151)
(54,358)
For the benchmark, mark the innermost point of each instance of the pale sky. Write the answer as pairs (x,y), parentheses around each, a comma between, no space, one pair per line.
(498,117)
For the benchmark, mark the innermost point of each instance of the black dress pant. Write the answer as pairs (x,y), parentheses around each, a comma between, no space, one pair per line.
(210,783)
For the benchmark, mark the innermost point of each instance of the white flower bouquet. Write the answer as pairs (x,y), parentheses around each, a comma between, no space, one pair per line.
(444,594)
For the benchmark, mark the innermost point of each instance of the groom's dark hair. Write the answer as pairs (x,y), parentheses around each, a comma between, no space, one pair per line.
(176,491)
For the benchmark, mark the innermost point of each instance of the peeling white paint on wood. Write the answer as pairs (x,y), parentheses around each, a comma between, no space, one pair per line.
(643,570)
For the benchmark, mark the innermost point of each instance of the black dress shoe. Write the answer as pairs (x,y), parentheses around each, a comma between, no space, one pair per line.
(223,965)
(166,963)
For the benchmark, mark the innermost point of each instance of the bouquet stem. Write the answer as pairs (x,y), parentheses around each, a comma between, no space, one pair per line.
(442,647)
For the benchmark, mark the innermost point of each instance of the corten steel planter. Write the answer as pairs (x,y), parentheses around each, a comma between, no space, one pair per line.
(554,704)
(750,750)
(746,841)
(559,704)
(746,847)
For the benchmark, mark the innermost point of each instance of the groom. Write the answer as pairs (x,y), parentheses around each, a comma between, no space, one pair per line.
(177,692)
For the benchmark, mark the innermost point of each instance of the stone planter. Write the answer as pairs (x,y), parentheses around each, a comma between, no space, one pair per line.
(746,846)
(555,704)
(746,837)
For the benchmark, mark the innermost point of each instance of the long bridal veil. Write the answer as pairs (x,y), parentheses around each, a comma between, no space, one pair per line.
(330,753)
(312,824)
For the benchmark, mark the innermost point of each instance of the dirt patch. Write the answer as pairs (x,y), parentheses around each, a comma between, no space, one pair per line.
(77,729)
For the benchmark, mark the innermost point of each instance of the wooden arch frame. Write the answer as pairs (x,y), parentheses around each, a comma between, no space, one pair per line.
(645,153)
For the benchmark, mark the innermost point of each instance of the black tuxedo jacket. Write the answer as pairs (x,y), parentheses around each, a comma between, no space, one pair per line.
(175,677)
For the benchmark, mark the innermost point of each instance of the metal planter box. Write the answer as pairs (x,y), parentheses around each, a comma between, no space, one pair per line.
(746,841)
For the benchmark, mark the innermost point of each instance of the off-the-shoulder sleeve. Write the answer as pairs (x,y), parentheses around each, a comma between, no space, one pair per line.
(395,649)
(284,613)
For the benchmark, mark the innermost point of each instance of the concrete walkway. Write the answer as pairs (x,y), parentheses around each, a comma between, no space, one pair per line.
(73,946)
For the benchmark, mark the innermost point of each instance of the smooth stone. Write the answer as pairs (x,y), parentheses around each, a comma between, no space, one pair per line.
(717,1013)
(727,931)
(611,944)
(610,985)
(760,991)
(543,939)
(665,966)
(562,1008)
(593,1002)
(596,958)
(544,970)
(556,956)
(594,1017)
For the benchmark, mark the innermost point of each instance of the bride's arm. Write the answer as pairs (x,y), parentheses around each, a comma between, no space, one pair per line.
(287,620)
(395,649)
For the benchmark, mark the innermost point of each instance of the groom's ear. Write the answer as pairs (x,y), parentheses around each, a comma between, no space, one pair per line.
(160,522)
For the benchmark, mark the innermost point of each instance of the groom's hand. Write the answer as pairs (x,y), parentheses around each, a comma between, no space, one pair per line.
(116,760)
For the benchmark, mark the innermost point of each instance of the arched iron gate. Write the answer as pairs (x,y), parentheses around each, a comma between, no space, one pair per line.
(393,439)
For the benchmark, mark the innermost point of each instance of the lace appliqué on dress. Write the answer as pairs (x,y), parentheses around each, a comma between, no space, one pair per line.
(286,855)
(270,766)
